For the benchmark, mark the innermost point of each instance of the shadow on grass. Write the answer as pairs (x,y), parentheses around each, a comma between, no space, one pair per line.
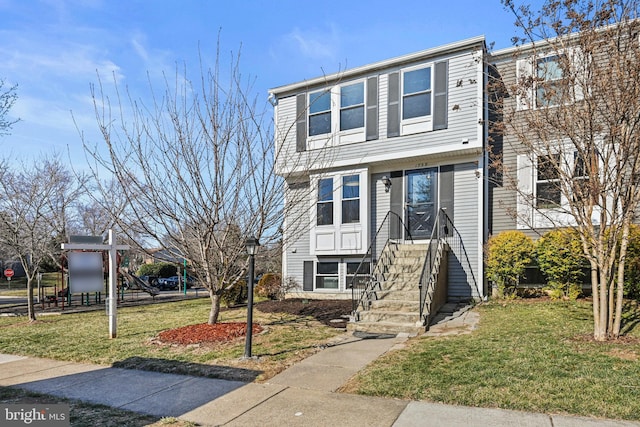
(630,317)
(168,366)
(328,312)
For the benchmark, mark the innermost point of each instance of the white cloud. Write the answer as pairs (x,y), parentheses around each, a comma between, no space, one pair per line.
(316,44)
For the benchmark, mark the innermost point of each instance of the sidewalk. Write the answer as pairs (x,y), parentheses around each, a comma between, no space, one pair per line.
(303,395)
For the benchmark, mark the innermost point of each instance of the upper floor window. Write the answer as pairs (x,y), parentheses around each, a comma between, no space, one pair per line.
(352,106)
(416,93)
(325,202)
(550,81)
(350,199)
(548,194)
(319,112)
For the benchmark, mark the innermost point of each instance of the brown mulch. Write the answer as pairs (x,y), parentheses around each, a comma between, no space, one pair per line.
(332,313)
(205,333)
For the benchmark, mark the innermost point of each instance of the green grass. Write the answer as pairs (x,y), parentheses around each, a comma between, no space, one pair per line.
(532,356)
(17,286)
(83,337)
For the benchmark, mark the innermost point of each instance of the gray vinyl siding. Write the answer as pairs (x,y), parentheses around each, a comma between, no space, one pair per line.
(464,116)
(466,222)
(503,199)
(296,233)
(379,208)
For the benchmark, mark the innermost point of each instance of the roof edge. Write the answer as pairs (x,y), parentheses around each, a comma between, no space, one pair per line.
(450,47)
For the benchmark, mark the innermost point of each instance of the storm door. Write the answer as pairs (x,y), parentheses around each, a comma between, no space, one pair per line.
(421,202)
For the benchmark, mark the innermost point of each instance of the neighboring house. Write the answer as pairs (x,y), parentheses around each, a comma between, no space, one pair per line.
(372,155)
(526,194)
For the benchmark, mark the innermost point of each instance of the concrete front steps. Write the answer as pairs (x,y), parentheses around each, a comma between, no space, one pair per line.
(396,308)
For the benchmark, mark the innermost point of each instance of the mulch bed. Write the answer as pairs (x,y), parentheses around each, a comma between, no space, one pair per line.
(329,312)
(205,333)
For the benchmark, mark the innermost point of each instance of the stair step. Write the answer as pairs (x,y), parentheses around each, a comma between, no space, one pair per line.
(412,295)
(400,317)
(395,305)
(391,276)
(399,285)
(385,327)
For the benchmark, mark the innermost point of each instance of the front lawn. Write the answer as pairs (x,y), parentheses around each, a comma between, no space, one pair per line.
(531,356)
(83,337)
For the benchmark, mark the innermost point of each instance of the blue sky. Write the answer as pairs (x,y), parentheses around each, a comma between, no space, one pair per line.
(53,49)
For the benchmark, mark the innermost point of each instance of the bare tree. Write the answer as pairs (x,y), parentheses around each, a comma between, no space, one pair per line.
(34,213)
(195,166)
(8,96)
(573,118)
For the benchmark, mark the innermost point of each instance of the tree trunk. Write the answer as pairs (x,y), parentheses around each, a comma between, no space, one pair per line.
(596,300)
(30,305)
(601,334)
(615,330)
(215,307)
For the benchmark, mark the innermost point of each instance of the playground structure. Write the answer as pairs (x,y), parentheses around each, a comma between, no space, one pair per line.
(135,282)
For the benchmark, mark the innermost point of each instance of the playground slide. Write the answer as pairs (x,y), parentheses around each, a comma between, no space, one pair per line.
(137,283)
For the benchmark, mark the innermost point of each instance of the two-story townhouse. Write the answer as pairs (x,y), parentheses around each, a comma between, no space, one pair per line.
(568,145)
(537,139)
(398,142)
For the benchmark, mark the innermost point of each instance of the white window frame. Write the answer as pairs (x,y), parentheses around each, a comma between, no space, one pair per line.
(342,275)
(529,216)
(350,199)
(338,238)
(310,114)
(421,123)
(337,136)
(330,201)
(528,81)
(316,275)
(539,182)
(541,81)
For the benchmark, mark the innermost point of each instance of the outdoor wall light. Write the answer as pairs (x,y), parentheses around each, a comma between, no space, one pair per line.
(273,100)
(387,183)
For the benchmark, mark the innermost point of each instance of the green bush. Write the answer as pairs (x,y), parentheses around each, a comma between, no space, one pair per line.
(270,286)
(508,253)
(561,260)
(236,295)
(159,269)
(632,265)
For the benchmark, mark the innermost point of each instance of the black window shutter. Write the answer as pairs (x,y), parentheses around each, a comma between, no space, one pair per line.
(396,196)
(440,113)
(307,276)
(446,189)
(393,108)
(372,108)
(301,122)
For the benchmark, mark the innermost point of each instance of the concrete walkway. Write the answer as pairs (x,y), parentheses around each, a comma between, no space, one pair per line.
(303,395)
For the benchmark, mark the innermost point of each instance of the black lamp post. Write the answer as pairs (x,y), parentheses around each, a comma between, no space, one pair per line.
(252,247)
